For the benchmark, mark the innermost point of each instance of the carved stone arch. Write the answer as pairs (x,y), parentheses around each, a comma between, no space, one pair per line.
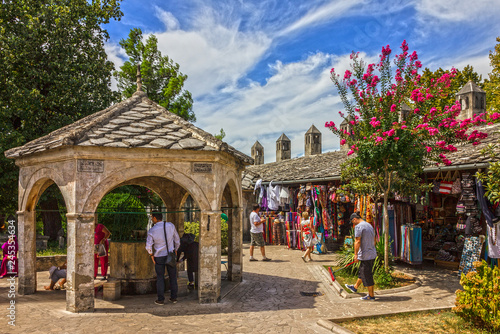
(37,183)
(124,175)
(231,181)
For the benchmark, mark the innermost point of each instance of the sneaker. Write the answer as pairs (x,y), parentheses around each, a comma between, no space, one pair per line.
(303,259)
(367,297)
(266,259)
(104,278)
(351,288)
(253,259)
(173,301)
(159,302)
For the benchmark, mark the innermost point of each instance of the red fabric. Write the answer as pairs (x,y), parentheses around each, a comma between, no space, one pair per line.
(103,260)
(98,233)
(6,251)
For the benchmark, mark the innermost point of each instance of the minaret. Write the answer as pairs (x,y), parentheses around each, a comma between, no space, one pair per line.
(473,100)
(283,148)
(258,153)
(312,141)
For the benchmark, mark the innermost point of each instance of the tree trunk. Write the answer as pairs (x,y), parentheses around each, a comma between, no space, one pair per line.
(386,232)
(51,217)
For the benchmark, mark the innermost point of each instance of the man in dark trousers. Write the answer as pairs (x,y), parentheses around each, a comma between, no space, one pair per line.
(364,252)
(164,238)
(190,249)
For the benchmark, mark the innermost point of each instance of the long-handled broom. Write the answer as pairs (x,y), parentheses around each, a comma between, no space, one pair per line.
(332,273)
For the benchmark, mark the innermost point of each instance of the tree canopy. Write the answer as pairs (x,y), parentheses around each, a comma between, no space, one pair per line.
(492,84)
(396,124)
(161,79)
(54,71)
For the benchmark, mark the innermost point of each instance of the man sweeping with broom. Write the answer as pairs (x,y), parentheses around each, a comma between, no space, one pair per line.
(364,252)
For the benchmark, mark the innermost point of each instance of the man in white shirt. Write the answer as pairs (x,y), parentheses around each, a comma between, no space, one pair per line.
(257,233)
(164,238)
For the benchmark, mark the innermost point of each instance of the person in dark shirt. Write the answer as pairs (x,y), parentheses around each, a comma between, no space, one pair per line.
(189,247)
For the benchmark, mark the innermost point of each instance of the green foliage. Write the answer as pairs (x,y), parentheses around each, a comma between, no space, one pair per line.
(54,71)
(122,213)
(52,249)
(479,301)
(492,84)
(161,79)
(220,135)
(194,228)
(347,256)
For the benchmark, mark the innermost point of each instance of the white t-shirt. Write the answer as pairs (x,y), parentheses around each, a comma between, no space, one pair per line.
(254,218)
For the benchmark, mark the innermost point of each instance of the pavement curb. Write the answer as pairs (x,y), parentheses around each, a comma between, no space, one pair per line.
(333,326)
(344,294)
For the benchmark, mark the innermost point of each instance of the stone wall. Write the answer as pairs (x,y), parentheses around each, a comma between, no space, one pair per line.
(43,263)
(248,201)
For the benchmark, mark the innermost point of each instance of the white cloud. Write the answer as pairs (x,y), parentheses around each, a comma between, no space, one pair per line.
(214,56)
(320,15)
(116,55)
(297,95)
(170,21)
(458,10)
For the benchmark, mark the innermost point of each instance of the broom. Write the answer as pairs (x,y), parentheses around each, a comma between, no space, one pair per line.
(332,273)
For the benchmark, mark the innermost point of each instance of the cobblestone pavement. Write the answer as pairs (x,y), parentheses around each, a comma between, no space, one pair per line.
(267,301)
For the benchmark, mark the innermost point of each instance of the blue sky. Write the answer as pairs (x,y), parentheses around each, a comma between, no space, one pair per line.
(260,68)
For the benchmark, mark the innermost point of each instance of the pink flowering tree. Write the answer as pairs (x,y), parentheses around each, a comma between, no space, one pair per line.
(396,124)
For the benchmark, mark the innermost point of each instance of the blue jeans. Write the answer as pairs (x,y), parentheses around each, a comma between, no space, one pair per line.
(160,264)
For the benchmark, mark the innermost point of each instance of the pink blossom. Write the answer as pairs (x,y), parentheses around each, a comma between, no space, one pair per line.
(404,46)
(429,149)
(433,131)
(393,108)
(379,139)
(342,142)
(347,75)
(350,152)
(332,70)
(396,138)
(403,126)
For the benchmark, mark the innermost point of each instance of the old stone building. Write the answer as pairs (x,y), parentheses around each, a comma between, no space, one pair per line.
(258,153)
(283,148)
(312,141)
(133,142)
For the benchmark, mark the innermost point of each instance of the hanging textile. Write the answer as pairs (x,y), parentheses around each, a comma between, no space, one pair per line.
(470,254)
(411,244)
(494,241)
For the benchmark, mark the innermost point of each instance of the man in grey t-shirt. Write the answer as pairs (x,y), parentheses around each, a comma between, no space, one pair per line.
(364,252)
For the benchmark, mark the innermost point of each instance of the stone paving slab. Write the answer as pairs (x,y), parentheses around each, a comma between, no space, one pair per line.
(267,301)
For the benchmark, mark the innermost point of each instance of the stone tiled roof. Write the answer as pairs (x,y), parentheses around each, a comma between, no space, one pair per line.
(328,164)
(469,154)
(135,122)
(470,86)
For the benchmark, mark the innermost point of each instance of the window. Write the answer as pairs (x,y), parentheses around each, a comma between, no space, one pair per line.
(467,102)
(476,104)
(482,103)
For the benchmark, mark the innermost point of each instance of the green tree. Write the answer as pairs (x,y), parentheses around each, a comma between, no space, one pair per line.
(393,143)
(161,79)
(457,81)
(492,84)
(54,72)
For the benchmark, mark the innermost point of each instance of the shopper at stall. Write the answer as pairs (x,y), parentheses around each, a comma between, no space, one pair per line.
(307,229)
(364,252)
(257,233)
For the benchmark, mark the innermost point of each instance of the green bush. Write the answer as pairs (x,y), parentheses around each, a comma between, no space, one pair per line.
(479,302)
(347,256)
(122,213)
(194,228)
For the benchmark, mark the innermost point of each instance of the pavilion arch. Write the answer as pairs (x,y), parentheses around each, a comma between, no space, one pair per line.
(37,183)
(128,175)
(231,196)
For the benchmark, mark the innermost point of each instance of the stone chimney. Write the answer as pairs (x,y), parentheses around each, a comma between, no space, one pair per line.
(312,141)
(283,148)
(258,153)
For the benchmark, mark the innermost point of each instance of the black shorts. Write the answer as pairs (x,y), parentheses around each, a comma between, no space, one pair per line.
(366,272)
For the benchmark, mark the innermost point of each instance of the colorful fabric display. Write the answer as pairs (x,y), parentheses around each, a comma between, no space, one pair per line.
(470,254)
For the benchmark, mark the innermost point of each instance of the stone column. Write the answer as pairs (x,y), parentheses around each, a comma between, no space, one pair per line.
(80,287)
(235,255)
(209,257)
(27,252)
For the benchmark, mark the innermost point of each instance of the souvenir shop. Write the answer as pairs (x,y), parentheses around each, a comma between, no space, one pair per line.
(452,226)
(282,206)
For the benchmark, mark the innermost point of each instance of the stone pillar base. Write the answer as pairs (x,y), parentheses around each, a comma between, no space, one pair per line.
(112,290)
